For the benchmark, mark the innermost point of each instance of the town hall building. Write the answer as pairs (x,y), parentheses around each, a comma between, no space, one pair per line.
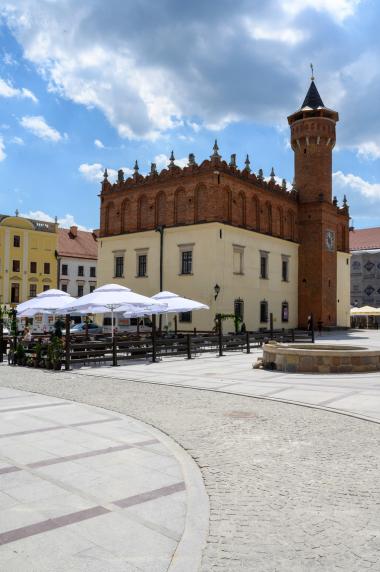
(231,239)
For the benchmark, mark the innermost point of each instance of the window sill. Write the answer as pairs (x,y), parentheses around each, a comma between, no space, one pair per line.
(185,274)
(238,273)
(141,276)
(284,280)
(264,278)
(119,277)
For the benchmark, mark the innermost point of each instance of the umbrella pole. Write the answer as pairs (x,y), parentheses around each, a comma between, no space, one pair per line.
(112,322)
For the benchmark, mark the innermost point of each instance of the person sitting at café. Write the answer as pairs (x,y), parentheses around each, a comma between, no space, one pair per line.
(27,336)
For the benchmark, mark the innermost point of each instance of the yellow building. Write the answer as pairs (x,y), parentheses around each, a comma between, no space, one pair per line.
(232,270)
(28,262)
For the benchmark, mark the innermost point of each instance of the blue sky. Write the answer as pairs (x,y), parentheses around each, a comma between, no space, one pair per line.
(89,84)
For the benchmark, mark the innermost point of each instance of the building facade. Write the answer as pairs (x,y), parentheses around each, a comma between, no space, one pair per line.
(231,239)
(77,261)
(28,263)
(365,267)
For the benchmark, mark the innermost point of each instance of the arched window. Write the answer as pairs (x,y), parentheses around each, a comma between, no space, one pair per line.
(160,208)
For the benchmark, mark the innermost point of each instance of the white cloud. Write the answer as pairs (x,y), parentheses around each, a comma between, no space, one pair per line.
(98,144)
(350,182)
(7,90)
(38,126)
(369,150)
(17,140)
(94,172)
(162,161)
(338,9)
(64,222)
(2,149)
(282,34)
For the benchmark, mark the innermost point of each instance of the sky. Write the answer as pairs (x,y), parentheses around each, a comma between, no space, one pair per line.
(93,84)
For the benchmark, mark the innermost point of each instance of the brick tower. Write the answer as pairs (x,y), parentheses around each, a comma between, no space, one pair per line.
(313,139)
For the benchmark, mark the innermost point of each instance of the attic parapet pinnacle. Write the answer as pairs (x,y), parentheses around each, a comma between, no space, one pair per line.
(283,184)
(153,169)
(260,175)
(105,175)
(247,163)
(272,176)
(191,161)
(120,176)
(215,154)
(232,163)
(136,167)
(171,160)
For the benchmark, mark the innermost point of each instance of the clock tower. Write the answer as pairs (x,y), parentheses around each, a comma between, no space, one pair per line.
(313,139)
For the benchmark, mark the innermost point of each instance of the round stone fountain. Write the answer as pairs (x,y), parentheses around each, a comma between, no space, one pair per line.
(318,358)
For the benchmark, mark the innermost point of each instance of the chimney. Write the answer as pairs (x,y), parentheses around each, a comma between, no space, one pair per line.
(74,231)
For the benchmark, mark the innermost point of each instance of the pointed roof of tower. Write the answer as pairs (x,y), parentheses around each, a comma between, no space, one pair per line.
(313,100)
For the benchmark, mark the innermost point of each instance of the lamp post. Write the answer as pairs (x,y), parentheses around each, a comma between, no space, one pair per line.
(160,228)
(216,290)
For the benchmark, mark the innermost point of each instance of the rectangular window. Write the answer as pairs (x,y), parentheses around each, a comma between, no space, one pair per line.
(80,270)
(238,259)
(239,308)
(33,267)
(15,293)
(93,271)
(186,317)
(16,266)
(46,267)
(16,241)
(64,287)
(46,287)
(119,266)
(187,262)
(32,290)
(80,290)
(263,311)
(64,269)
(92,288)
(263,265)
(141,268)
(284,312)
(285,270)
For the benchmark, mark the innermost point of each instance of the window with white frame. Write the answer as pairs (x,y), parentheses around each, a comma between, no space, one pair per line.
(263,264)
(119,263)
(238,259)
(285,268)
(186,260)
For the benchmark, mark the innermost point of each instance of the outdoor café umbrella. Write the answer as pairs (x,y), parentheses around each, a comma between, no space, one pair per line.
(365,311)
(48,302)
(177,304)
(109,298)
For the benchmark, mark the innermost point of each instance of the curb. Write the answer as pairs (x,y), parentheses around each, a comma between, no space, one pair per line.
(252,395)
(188,553)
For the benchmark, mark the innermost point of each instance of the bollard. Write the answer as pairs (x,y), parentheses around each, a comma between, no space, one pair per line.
(248,343)
(1,339)
(67,342)
(154,344)
(114,352)
(188,346)
(312,329)
(271,325)
(220,335)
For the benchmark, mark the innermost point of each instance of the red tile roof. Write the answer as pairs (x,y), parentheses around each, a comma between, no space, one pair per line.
(365,239)
(77,243)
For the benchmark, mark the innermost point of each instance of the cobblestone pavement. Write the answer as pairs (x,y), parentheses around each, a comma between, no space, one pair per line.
(290,488)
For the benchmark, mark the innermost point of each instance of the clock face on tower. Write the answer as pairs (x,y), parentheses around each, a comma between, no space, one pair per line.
(330,240)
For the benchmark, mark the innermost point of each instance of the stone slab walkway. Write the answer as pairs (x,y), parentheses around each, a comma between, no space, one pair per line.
(290,488)
(357,394)
(85,489)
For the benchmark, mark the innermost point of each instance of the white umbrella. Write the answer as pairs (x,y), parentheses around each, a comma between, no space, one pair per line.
(176,304)
(108,298)
(48,302)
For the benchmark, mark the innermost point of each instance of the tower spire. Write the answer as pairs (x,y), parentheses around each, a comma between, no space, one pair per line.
(312,72)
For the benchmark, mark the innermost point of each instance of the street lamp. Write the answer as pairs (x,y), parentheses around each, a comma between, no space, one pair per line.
(216,290)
